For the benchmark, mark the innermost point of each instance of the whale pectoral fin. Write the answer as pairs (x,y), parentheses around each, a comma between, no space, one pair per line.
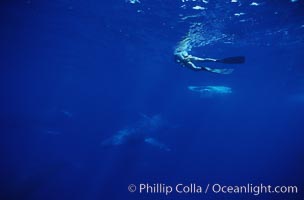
(157,144)
(218,71)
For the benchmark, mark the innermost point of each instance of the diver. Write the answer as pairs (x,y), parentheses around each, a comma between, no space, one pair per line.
(187,60)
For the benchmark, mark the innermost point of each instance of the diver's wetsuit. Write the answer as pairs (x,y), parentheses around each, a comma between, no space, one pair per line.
(185,60)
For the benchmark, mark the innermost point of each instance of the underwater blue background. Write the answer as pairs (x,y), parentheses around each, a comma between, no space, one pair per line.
(74,73)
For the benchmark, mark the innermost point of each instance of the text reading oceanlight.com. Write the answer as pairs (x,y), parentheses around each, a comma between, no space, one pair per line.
(193,188)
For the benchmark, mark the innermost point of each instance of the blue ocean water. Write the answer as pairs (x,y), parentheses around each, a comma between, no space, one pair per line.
(93,101)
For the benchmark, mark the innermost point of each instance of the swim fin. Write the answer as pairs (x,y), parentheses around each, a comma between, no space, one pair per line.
(232,60)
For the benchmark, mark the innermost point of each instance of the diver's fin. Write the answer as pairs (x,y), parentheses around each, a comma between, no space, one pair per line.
(232,60)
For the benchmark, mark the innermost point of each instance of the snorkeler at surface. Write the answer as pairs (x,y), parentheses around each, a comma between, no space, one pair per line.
(187,60)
